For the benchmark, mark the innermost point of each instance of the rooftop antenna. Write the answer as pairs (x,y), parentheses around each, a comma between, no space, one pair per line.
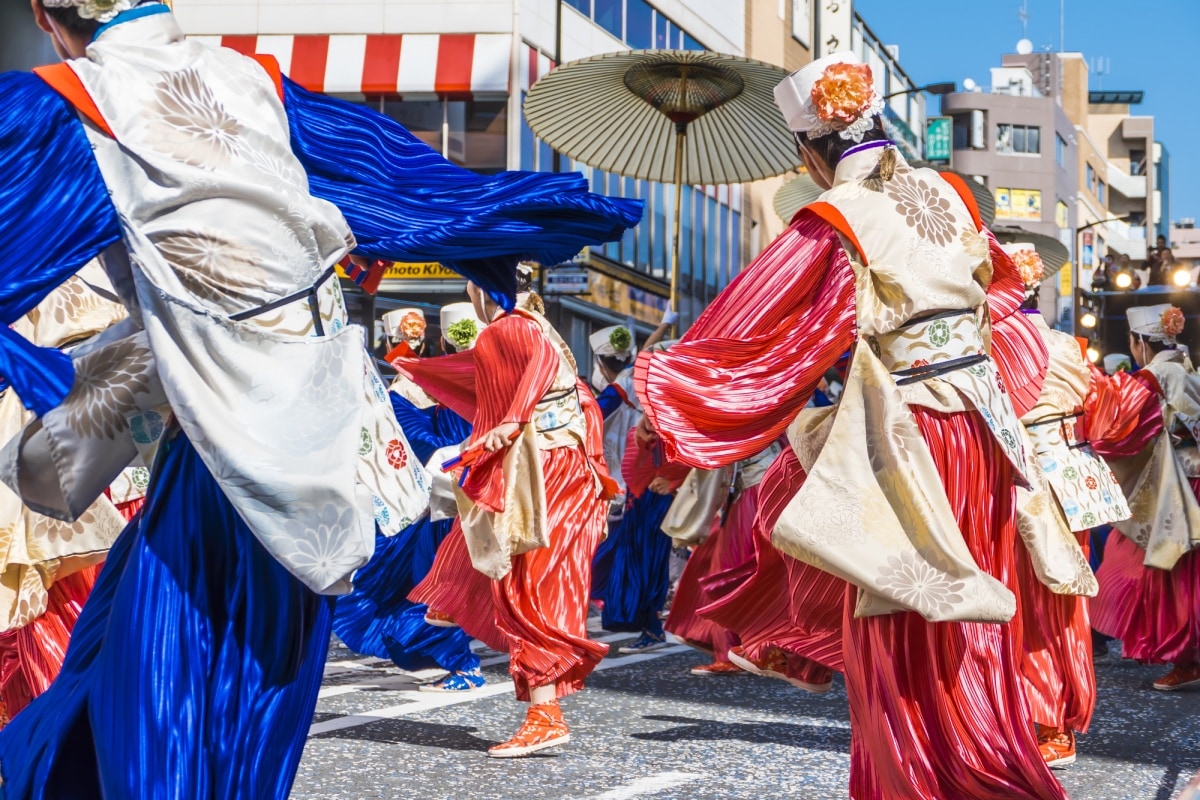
(1024,16)
(1062,26)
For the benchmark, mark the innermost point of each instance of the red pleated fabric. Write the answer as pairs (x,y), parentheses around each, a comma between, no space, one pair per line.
(453,586)
(1155,613)
(726,548)
(31,656)
(1122,413)
(751,361)
(541,605)
(774,601)
(129,510)
(538,611)
(1056,660)
(938,711)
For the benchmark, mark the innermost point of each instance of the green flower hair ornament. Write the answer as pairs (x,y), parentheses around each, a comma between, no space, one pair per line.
(620,339)
(463,333)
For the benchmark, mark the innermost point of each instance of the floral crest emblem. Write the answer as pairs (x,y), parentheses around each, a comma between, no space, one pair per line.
(412,326)
(1172,321)
(844,100)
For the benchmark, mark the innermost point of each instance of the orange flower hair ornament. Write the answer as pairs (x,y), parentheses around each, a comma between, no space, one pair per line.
(845,101)
(1172,322)
(1029,265)
(412,326)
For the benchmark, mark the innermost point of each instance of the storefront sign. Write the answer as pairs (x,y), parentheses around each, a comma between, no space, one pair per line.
(400,271)
(834,21)
(1018,204)
(630,301)
(566,281)
(938,135)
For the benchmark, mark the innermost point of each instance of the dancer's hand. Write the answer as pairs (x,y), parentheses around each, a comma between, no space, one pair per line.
(500,436)
(645,431)
(660,485)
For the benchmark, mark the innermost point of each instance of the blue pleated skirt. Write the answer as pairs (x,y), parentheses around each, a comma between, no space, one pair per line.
(378,619)
(194,667)
(630,570)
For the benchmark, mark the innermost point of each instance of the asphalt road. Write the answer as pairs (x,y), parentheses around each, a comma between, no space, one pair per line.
(646,728)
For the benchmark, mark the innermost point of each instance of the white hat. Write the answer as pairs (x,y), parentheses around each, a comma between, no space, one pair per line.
(604,342)
(1148,321)
(794,96)
(461,337)
(1116,362)
(393,319)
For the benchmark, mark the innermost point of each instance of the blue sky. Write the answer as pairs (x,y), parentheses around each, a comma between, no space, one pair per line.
(1151,45)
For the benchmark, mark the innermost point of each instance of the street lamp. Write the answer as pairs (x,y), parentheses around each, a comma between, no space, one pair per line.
(1182,277)
(947,87)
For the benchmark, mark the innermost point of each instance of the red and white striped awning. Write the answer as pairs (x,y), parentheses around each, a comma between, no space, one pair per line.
(448,64)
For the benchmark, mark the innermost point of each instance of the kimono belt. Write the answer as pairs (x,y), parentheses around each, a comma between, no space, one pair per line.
(522,525)
(873,510)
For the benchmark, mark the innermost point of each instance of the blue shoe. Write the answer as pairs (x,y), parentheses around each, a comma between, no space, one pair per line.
(457,682)
(648,642)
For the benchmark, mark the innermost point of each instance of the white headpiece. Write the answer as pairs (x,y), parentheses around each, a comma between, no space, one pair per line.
(100,10)
(1116,362)
(460,326)
(834,93)
(393,323)
(615,340)
(1161,323)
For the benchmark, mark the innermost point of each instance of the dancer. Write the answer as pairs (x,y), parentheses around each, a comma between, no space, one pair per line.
(1073,491)
(377,618)
(910,480)
(531,505)
(631,568)
(222,196)
(1150,577)
(48,566)
(729,546)
(630,575)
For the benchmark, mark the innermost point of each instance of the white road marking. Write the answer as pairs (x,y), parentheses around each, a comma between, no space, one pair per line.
(424,701)
(651,784)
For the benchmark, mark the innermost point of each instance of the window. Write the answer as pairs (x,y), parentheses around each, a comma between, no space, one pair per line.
(583,6)
(666,33)
(610,15)
(1137,162)
(1024,139)
(639,25)
(691,44)
(1060,151)
(1091,178)
(1100,192)
(802,21)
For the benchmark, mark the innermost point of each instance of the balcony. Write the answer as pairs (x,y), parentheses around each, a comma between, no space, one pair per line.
(1132,186)
(1125,239)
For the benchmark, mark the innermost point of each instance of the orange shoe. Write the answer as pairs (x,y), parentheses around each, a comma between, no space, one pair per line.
(1179,678)
(1057,747)
(439,620)
(774,665)
(543,727)
(718,668)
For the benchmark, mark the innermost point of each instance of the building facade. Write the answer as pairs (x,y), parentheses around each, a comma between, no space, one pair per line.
(1018,141)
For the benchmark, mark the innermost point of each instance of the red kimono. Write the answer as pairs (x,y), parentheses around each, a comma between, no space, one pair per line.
(938,711)
(1155,613)
(538,611)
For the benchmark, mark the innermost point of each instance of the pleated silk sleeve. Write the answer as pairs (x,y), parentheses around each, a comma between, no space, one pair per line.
(55,216)
(1122,412)
(1018,349)
(404,202)
(743,371)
